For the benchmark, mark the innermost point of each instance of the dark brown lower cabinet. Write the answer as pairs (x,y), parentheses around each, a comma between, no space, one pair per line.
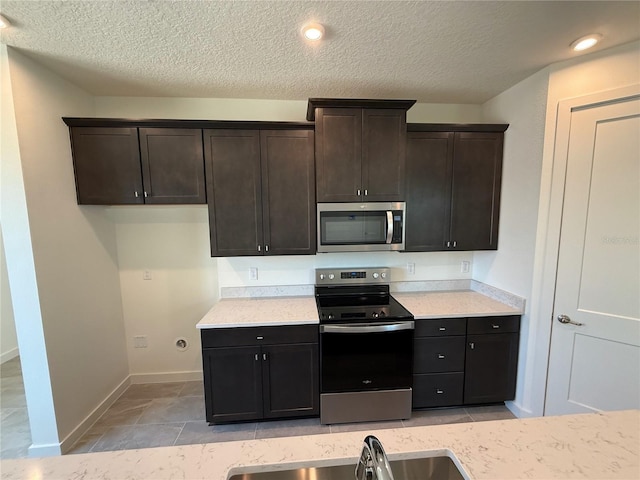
(255,373)
(464,361)
(491,359)
(438,362)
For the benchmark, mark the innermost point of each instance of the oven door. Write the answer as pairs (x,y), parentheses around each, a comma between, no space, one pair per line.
(366,356)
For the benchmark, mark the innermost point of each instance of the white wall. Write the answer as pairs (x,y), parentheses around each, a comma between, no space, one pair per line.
(74,252)
(510,268)
(8,338)
(606,70)
(173,243)
(22,275)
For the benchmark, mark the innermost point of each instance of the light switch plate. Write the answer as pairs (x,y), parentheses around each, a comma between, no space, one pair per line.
(253,273)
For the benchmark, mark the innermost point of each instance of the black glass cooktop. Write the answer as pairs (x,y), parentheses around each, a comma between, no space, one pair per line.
(346,304)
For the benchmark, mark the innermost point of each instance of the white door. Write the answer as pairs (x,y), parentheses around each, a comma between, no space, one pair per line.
(594,361)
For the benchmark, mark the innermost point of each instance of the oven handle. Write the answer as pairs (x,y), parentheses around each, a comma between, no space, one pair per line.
(367,327)
(389,226)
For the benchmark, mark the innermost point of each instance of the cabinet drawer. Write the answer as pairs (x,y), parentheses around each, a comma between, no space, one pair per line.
(438,354)
(437,390)
(507,324)
(231,337)
(437,327)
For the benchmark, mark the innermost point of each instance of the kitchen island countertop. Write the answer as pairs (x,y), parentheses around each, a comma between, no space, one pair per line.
(586,446)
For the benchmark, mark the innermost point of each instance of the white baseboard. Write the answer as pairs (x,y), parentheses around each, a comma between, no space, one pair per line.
(518,411)
(47,450)
(93,417)
(194,376)
(10,355)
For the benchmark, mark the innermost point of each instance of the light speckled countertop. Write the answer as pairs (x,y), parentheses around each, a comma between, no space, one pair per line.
(587,446)
(261,312)
(453,304)
(273,311)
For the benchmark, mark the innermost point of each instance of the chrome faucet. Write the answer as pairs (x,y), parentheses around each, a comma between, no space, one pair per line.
(373,463)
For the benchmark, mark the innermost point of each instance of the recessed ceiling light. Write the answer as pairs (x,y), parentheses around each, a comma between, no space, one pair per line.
(585,42)
(4,23)
(313,31)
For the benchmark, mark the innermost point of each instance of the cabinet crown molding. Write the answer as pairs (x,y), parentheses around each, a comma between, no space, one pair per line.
(314,103)
(172,123)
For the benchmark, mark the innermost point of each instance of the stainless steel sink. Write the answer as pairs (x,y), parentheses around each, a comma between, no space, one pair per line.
(429,468)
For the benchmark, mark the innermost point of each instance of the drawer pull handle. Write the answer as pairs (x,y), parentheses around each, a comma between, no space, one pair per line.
(440,356)
(256,356)
(472,345)
(439,392)
(264,356)
(259,338)
(442,329)
(493,325)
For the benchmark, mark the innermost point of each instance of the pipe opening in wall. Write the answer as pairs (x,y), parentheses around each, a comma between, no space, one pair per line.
(182,344)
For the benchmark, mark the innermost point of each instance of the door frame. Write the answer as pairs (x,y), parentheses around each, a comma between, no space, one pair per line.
(549,228)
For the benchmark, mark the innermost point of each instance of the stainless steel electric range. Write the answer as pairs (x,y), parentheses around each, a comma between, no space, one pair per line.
(366,347)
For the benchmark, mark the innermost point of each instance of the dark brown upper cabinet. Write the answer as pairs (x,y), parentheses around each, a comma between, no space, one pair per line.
(360,149)
(453,186)
(172,165)
(123,165)
(261,191)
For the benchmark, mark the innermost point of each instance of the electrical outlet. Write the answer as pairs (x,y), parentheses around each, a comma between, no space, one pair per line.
(411,268)
(146,275)
(464,266)
(140,341)
(253,273)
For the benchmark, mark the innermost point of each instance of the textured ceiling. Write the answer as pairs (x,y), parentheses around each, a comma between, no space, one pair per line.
(445,52)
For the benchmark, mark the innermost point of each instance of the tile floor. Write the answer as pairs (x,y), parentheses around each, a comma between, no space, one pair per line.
(15,435)
(153,415)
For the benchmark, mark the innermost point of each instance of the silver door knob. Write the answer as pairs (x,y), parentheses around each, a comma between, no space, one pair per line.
(567,320)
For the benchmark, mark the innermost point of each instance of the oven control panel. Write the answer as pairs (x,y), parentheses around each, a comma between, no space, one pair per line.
(352,276)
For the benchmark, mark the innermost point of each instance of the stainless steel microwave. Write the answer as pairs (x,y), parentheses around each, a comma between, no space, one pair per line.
(361,227)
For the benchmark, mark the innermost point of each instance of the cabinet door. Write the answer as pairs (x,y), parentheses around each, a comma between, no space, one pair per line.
(291,380)
(107,166)
(232,383)
(490,368)
(475,201)
(428,195)
(172,165)
(232,161)
(288,192)
(338,154)
(384,138)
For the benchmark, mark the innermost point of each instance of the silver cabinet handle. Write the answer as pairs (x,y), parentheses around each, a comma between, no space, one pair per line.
(256,356)
(264,356)
(448,244)
(367,327)
(366,192)
(259,248)
(439,392)
(472,345)
(442,329)
(136,194)
(259,338)
(358,192)
(440,356)
(266,248)
(454,244)
(146,194)
(493,325)
(567,320)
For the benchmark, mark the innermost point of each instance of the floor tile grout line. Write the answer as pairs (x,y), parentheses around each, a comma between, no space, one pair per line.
(179,433)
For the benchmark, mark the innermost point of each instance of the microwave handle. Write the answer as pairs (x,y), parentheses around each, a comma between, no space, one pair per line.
(389,226)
